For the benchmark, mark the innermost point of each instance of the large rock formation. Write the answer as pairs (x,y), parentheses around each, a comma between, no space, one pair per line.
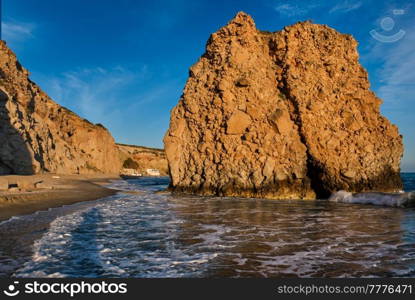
(37,135)
(287,114)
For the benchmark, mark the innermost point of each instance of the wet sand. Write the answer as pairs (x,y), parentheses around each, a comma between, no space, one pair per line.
(54,191)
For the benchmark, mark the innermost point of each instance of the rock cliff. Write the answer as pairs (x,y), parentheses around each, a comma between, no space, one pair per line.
(37,135)
(144,157)
(278,115)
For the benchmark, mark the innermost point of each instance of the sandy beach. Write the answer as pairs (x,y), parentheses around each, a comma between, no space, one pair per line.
(40,192)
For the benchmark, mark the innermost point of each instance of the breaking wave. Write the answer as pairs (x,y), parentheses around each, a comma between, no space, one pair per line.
(140,233)
(382,199)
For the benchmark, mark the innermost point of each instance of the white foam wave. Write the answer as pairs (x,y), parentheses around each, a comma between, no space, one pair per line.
(99,241)
(157,235)
(381,199)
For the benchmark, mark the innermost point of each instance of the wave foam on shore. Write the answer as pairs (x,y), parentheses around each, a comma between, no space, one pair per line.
(381,199)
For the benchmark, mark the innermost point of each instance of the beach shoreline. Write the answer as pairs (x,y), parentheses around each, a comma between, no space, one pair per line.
(48,191)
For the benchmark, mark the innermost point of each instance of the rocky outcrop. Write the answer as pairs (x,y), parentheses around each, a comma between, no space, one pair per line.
(37,135)
(144,157)
(286,115)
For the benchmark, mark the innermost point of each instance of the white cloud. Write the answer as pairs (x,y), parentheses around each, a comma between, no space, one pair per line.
(296,8)
(289,10)
(119,98)
(92,92)
(397,89)
(300,8)
(397,75)
(14,31)
(346,6)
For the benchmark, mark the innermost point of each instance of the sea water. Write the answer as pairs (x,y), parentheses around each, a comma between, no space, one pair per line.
(143,233)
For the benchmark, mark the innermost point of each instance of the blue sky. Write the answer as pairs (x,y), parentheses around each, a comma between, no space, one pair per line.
(124,63)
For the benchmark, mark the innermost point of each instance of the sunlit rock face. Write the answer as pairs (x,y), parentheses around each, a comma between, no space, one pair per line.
(38,135)
(283,115)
